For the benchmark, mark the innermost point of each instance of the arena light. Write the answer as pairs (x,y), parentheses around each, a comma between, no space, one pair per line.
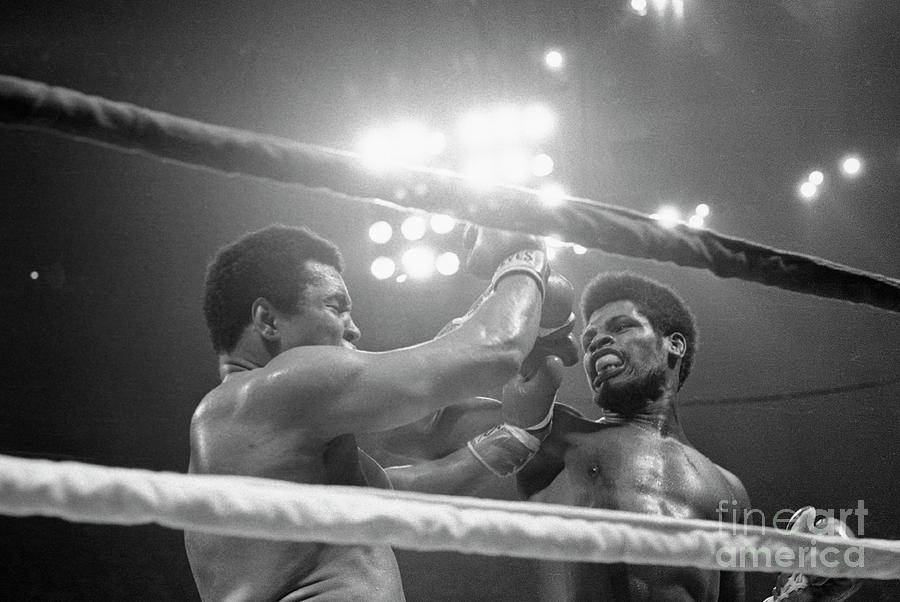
(695,221)
(480,173)
(542,165)
(442,224)
(851,166)
(413,227)
(513,165)
(552,194)
(375,149)
(380,232)
(667,216)
(435,143)
(579,250)
(410,142)
(554,59)
(447,263)
(383,267)
(34,275)
(639,6)
(816,177)
(702,210)
(474,129)
(538,121)
(507,122)
(808,190)
(418,262)
(405,142)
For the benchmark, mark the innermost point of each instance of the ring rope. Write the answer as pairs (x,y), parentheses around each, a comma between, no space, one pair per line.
(271,509)
(790,395)
(592,224)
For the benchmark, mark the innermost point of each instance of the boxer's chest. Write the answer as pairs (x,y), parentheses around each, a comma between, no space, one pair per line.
(626,469)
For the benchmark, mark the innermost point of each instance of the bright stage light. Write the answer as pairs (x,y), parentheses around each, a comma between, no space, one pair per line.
(668,216)
(553,59)
(480,173)
(578,250)
(542,165)
(418,262)
(376,149)
(538,121)
(552,194)
(507,122)
(406,142)
(851,166)
(702,210)
(435,143)
(413,227)
(442,224)
(514,166)
(447,263)
(808,190)
(474,129)
(382,267)
(639,6)
(380,232)
(695,221)
(816,177)
(34,275)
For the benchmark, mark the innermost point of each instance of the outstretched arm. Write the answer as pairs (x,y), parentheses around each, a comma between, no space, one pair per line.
(495,452)
(329,391)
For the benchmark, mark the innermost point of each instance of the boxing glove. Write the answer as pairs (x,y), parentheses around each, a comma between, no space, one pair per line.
(495,254)
(528,399)
(557,321)
(798,587)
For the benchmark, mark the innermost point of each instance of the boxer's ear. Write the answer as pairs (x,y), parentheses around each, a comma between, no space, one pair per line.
(676,344)
(263,317)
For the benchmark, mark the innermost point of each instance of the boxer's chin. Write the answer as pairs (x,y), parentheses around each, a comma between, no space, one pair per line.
(630,395)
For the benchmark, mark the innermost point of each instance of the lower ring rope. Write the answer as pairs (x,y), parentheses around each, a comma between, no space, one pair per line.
(280,510)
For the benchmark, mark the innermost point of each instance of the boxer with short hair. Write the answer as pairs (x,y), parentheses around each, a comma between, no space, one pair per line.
(638,342)
(295,392)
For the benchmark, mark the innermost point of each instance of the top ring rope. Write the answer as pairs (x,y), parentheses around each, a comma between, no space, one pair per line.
(592,224)
(265,508)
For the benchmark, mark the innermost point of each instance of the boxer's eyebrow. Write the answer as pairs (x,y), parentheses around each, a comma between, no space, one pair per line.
(341,299)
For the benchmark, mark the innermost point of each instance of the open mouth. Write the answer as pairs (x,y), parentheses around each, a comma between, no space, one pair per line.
(606,365)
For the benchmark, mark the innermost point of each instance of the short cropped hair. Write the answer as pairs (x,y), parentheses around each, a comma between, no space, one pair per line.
(664,308)
(267,263)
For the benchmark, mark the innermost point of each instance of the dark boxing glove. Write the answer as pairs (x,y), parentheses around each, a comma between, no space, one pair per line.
(557,321)
(502,253)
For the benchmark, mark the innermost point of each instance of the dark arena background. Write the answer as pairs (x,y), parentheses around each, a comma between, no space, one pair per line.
(774,121)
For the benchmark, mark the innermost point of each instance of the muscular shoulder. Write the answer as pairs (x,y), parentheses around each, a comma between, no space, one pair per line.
(736,486)
(295,385)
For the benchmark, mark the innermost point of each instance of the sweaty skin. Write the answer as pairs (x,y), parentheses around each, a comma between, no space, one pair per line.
(636,458)
(633,467)
(294,393)
(229,441)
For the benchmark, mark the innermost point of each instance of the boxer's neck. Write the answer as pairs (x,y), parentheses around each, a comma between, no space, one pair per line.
(659,415)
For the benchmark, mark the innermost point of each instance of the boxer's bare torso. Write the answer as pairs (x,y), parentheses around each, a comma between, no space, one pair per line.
(636,467)
(229,439)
